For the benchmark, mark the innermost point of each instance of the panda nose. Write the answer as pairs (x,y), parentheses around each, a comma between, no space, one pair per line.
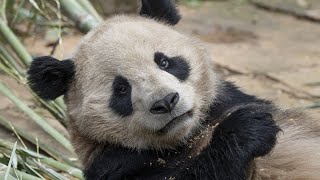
(166,104)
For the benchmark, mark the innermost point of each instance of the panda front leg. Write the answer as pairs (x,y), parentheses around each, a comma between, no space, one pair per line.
(247,132)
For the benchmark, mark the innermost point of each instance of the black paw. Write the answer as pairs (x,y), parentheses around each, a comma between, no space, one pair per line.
(251,128)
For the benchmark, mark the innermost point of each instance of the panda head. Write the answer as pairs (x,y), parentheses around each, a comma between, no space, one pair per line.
(133,81)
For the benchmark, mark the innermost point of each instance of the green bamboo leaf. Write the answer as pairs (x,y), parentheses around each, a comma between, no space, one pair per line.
(33,170)
(9,177)
(12,161)
(73,171)
(29,137)
(35,5)
(14,173)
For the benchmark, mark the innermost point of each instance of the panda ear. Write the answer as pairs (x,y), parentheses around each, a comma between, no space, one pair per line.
(163,10)
(49,78)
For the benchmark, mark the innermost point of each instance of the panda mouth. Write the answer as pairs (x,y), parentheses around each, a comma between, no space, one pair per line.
(174,122)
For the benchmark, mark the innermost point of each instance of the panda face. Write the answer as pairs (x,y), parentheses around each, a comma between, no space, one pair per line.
(155,91)
(140,84)
(120,101)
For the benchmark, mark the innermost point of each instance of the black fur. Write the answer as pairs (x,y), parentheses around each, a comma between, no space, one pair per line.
(246,130)
(120,102)
(178,66)
(230,96)
(117,163)
(49,77)
(163,10)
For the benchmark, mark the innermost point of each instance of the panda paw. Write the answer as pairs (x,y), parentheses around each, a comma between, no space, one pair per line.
(251,129)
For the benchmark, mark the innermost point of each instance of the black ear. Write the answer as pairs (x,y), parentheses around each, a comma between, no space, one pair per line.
(164,10)
(49,77)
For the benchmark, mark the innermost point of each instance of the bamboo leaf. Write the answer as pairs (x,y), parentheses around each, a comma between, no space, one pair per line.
(13,160)
(35,5)
(43,146)
(75,172)
(24,176)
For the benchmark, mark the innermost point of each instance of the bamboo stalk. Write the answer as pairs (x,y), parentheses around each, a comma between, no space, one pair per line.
(56,108)
(3,10)
(10,59)
(5,67)
(36,118)
(90,9)
(15,43)
(84,21)
(45,147)
(53,107)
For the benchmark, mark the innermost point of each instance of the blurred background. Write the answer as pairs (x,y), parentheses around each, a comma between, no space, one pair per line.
(270,48)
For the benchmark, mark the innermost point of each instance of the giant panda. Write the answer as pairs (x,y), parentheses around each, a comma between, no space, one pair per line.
(144,102)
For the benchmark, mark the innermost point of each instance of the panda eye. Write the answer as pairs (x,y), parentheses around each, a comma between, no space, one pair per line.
(164,63)
(120,100)
(176,66)
(123,89)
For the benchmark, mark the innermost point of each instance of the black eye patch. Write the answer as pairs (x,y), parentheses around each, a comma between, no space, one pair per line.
(177,66)
(120,101)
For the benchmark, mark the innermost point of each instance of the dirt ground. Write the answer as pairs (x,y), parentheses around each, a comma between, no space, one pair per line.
(272,55)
